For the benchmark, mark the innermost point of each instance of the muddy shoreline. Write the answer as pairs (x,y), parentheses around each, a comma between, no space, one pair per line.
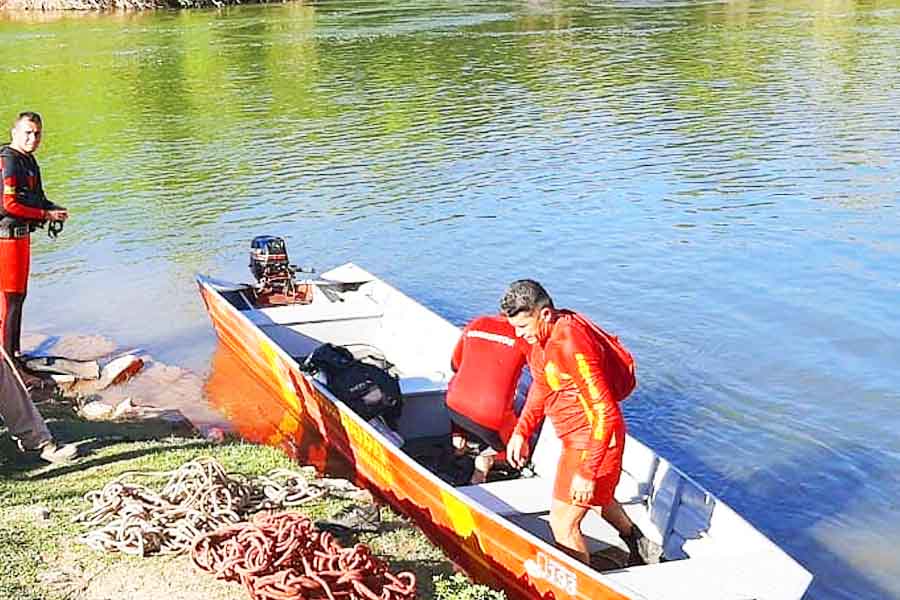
(158,390)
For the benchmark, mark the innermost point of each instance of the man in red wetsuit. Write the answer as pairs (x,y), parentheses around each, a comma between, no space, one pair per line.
(24,207)
(487,363)
(571,385)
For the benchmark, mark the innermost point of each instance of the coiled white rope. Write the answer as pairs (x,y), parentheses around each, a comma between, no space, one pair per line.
(199,497)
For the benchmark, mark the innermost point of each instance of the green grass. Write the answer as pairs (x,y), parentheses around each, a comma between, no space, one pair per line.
(38,502)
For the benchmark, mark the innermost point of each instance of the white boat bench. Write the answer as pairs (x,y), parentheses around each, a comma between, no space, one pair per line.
(526,501)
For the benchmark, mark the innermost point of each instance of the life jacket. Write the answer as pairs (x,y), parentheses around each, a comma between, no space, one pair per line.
(12,165)
(366,383)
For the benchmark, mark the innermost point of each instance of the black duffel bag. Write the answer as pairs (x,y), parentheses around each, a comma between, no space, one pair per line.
(365,383)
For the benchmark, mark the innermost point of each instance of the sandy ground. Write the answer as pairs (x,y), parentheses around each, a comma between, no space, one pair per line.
(137,579)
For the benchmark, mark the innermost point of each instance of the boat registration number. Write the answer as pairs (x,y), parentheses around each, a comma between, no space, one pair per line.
(545,568)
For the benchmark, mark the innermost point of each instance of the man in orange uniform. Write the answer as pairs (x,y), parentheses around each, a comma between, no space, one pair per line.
(487,363)
(24,206)
(571,386)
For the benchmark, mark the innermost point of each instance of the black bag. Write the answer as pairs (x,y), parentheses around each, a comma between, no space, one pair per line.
(365,384)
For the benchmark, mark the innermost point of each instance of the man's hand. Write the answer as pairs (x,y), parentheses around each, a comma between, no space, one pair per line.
(582,489)
(57,214)
(517,451)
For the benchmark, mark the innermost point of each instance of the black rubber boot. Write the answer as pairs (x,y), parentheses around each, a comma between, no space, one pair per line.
(641,550)
(634,553)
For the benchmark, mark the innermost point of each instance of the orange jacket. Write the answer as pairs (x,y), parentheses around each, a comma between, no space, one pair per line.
(487,360)
(571,387)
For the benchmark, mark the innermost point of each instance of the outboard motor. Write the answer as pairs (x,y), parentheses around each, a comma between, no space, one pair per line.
(274,273)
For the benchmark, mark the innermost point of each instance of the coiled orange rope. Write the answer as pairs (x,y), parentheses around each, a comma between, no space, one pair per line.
(284,557)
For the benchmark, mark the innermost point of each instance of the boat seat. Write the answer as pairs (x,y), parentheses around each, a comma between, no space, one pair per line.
(353,306)
(533,495)
(414,385)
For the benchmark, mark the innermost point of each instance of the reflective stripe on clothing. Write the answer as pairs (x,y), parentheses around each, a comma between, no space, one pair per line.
(23,193)
(571,388)
(488,360)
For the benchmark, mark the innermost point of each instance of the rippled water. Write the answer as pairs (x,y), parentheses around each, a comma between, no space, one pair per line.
(716,182)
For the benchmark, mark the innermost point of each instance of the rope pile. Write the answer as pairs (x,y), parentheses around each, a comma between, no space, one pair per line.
(199,497)
(284,557)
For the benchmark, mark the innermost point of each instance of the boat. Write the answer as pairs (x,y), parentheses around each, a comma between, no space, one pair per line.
(498,531)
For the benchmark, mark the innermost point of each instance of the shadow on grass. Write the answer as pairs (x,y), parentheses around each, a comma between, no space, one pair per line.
(89,463)
(425,571)
(91,437)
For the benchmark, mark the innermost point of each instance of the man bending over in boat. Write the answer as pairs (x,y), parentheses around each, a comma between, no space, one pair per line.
(573,384)
(487,363)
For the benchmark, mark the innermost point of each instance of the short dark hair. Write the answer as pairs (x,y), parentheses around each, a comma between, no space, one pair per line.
(28,116)
(524,295)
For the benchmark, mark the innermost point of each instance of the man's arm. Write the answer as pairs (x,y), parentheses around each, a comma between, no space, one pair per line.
(55,212)
(535,401)
(517,449)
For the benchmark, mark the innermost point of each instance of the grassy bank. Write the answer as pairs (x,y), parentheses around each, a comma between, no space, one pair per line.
(41,558)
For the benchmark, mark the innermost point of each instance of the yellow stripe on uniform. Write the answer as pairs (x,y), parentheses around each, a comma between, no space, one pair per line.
(8,189)
(588,413)
(599,430)
(551,373)
(584,370)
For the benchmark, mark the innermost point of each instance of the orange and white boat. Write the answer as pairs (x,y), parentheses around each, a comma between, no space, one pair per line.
(497,531)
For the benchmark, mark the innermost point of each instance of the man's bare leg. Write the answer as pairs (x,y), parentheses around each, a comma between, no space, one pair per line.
(615,516)
(642,550)
(565,522)
(483,464)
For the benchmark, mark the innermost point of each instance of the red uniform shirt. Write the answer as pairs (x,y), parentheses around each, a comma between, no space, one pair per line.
(488,360)
(570,386)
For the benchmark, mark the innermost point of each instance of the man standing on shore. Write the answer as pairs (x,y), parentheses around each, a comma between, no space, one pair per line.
(24,207)
(25,423)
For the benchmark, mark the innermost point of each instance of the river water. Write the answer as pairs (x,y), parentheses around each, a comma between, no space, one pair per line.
(715,182)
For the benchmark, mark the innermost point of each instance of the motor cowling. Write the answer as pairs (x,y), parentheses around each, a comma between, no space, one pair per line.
(269,259)
(274,273)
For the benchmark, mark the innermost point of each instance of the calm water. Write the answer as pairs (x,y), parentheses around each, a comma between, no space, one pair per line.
(716,182)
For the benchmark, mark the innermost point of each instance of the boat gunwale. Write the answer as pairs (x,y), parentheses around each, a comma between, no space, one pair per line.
(441,486)
(218,287)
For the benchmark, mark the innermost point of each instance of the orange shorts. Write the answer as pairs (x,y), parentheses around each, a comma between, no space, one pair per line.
(604,484)
(15,261)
